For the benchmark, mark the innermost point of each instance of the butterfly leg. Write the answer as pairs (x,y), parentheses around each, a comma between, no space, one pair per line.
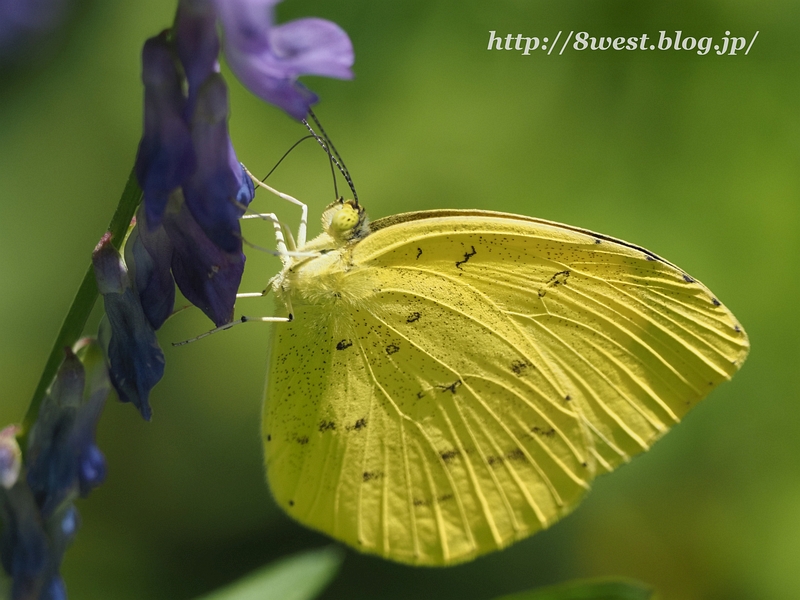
(260,294)
(283,245)
(246,319)
(302,229)
(239,321)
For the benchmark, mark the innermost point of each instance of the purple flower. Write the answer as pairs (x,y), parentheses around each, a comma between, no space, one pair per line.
(219,190)
(37,513)
(63,460)
(185,141)
(136,362)
(24,23)
(32,546)
(268,58)
(186,158)
(166,155)
(148,256)
(24,547)
(207,275)
(197,44)
(195,189)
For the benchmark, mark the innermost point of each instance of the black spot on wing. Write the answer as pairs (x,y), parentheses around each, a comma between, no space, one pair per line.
(519,367)
(392,348)
(429,502)
(419,253)
(371,476)
(301,439)
(413,317)
(687,278)
(549,432)
(716,302)
(515,454)
(449,455)
(467,256)
(344,344)
(494,460)
(451,387)
(357,426)
(327,426)
(556,280)
(512,455)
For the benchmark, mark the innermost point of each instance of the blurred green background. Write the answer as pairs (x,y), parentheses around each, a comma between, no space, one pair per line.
(695,157)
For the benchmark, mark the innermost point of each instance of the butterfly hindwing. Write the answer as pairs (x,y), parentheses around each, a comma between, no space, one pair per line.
(403,447)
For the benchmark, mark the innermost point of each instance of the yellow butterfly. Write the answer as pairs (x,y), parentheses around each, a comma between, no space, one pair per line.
(451,381)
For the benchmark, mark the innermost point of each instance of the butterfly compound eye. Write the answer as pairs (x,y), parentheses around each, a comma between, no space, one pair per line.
(345,219)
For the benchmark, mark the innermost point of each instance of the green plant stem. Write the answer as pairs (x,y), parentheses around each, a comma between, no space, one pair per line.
(82,305)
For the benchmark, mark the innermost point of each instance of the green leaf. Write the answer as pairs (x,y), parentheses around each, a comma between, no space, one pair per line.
(299,577)
(589,589)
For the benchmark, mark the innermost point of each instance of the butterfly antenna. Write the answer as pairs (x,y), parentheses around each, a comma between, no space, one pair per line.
(312,135)
(331,159)
(334,155)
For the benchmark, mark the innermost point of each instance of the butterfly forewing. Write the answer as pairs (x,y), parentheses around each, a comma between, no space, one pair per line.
(456,380)
(633,341)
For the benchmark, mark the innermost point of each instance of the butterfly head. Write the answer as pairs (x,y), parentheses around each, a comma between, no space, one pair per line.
(345,220)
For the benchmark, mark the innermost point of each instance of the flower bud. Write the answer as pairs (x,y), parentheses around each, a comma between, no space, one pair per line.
(10,457)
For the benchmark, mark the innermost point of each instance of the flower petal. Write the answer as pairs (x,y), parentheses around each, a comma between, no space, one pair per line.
(268,59)
(313,47)
(165,157)
(148,256)
(24,25)
(91,464)
(136,362)
(208,276)
(247,23)
(32,548)
(219,191)
(23,542)
(55,590)
(92,469)
(52,475)
(197,44)
(62,441)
